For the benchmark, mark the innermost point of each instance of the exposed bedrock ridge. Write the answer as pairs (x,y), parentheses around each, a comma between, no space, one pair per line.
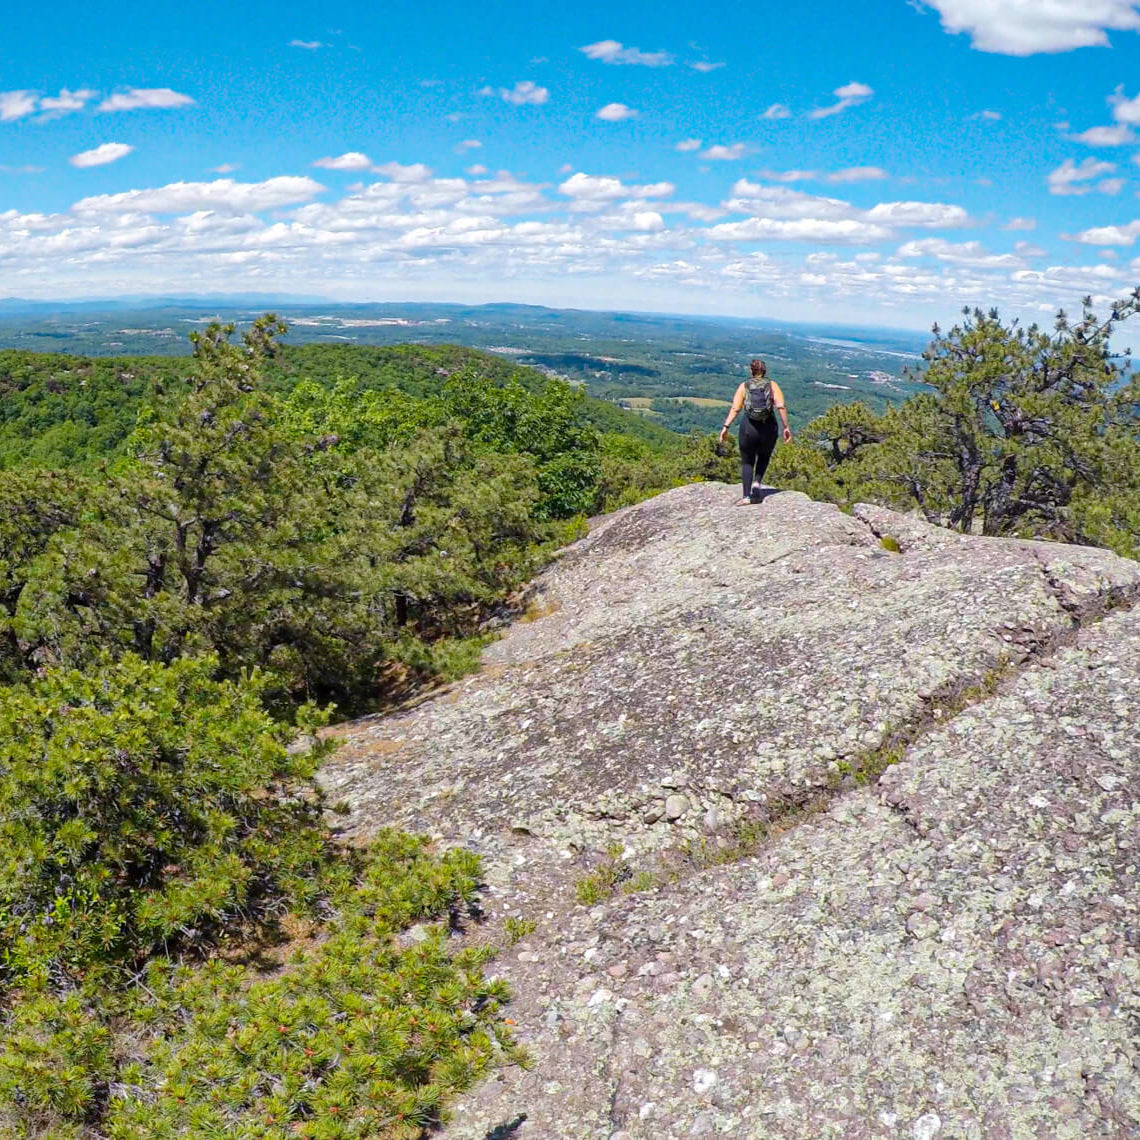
(953,949)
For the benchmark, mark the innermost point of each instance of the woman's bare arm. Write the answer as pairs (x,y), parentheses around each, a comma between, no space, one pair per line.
(737,404)
(781,410)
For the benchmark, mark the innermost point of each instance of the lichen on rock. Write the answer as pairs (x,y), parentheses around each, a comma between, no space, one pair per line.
(950,947)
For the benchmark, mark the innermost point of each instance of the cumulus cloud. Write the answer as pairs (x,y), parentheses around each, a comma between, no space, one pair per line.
(959,253)
(54,106)
(849,95)
(615,113)
(141,98)
(592,188)
(223,194)
(1110,235)
(1028,27)
(845,231)
(777,111)
(722,153)
(845,222)
(783,202)
(611,51)
(857,174)
(16,104)
(397,172)
(1120,135)
(1020,224)
(1125,110)
(350,160)
(426,232)
(1073,178)
(688,144)
(848,174)
(524,91)
(101,155)
(935,215)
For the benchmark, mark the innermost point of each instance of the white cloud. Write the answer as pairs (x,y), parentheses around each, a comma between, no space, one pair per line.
(688,144)
(1110,186)
(603,188)
(1027,27)
(849,95)
(849,174)
(703,66)
(933,215)
(782,202)
(615,113)
(1110,235)
(777,111)
(350,160)
(397,172)
(721,153)
(477,169)
(1119,135)
(611,51)
(54,106)
(857,174)
(959,253)
(138,98)
(523,92)
(101,155)
(16,104)
(1020,224)
(1071,178)
(308,45)
(467,144)
(789,175)
(987,116)
(501,237)
(1125,110)
(845,231)
(222,194)
(27,168)
(225,168)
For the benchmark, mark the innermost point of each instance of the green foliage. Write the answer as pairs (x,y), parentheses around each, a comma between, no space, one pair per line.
(359,1033)
(516,929)
(631,470)
(146,806)
(231,530)
(605,878)
(1023,432)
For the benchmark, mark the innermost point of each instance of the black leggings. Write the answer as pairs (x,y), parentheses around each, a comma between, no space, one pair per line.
(757,442)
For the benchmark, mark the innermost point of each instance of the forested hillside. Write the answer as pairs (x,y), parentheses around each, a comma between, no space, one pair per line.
(204,559)
(1022,432)
(60,410)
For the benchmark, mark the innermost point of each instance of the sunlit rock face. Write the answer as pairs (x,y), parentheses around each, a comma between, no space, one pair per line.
(876,788)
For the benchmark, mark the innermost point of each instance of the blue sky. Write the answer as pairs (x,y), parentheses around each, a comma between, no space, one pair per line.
(879,161)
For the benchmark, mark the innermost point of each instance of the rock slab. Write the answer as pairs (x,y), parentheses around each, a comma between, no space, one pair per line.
(953,951)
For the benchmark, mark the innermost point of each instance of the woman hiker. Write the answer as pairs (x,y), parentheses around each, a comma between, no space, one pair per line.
(760,398)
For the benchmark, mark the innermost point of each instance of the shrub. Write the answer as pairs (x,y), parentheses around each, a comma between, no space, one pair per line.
(142,807)
(353,1036)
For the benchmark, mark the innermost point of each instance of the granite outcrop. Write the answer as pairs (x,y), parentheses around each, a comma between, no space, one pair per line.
(856,805)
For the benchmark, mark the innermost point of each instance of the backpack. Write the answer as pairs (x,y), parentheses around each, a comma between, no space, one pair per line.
(758,399)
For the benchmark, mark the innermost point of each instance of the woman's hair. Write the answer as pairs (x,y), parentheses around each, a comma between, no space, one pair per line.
(759,368)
